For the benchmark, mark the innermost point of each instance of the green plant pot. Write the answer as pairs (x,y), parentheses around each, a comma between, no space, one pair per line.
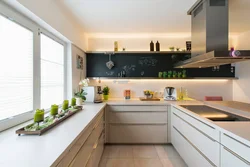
(105,97)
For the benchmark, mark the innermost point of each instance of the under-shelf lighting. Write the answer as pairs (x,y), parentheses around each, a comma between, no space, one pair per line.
(124,81)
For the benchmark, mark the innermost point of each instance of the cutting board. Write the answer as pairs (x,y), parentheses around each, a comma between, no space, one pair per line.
(152,99)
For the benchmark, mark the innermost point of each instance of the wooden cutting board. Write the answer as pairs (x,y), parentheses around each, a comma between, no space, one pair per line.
(152,99)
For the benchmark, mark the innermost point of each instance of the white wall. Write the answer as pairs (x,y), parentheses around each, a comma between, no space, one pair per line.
(196,88)
(241,91)
(50,14)
(77,73)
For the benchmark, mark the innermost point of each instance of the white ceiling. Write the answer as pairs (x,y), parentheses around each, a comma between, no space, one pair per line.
(147,16)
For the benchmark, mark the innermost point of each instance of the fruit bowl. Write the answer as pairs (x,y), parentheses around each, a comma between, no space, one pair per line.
(148,94)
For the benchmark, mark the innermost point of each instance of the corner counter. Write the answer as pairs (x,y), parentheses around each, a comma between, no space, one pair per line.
(43,151)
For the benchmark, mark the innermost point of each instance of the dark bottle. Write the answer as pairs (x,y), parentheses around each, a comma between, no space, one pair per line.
(151,46)
(157,46)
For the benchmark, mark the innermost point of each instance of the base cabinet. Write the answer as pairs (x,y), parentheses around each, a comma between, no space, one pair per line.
(189,154)
(137,124)
(138,133)
(97,153)
(231,159)
(88,148)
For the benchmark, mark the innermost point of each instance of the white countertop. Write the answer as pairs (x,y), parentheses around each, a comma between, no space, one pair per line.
(42,151)
(238,130)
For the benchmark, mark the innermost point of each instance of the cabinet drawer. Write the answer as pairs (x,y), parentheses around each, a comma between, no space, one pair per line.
(229,159)
(208,146)
(137,117)
(236,146)
(97,153)
(189,154)
(137,108)
(85,152)
(137,133)
(202,126)
(69,156)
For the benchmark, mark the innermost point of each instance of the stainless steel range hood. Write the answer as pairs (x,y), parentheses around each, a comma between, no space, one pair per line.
(210,36)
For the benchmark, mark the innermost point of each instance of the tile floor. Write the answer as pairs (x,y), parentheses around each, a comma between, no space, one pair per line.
(141,156)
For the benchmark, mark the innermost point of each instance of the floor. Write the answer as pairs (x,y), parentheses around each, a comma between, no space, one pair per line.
(141,156)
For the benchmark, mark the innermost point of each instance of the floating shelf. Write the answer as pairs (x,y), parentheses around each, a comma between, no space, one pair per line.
(143,52)
(188,78)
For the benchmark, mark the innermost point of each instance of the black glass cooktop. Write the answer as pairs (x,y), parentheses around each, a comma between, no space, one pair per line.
(213,113)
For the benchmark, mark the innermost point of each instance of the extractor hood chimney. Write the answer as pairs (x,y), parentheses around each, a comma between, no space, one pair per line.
(210,36)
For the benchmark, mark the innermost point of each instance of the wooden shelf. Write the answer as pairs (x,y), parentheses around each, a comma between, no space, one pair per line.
(142,52)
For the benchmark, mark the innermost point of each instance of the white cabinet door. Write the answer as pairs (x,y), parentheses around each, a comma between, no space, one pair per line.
(189,154)
(236,146)
(138,117)
(137,133)
(199,124)
(208,146)
(137,124)
(231,159)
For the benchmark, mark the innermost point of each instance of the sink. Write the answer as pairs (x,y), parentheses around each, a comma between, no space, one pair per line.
(214,114)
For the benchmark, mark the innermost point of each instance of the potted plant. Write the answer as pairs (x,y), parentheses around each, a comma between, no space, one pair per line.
(169,74)
(184,74)
(164,74)
(174,74)
(177,49)
(179,74)
(171,48)
(105,92)
(80,97)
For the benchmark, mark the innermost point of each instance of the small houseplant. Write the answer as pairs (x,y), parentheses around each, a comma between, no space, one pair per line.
(80,97)
(179,74)
(174,74)
(105,92)
(169,74)
(177,49)
(171,48)
(184,74)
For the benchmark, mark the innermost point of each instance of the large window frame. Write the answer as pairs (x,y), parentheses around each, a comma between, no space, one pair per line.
(23,21)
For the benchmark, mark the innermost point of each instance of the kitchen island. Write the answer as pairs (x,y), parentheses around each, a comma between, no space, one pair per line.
(53,147)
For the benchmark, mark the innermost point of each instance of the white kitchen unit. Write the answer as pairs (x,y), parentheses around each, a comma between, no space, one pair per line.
(88,149)
(189,133)
(233,152)
(137,124)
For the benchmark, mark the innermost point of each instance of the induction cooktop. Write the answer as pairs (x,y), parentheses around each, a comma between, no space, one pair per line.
(213,113)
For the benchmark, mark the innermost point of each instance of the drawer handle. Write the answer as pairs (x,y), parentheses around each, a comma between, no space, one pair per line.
(236,155)
(195,147)
(236,140)
(195,118)
(196,128)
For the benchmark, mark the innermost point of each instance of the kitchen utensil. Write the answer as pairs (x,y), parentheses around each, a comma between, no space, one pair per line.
(110,64)
(94,93)
(170,93)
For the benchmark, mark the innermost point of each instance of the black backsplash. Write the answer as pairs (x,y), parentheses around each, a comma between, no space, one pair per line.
(147,65)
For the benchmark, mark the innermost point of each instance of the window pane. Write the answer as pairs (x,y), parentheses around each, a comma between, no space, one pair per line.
(16,69)
(52,72)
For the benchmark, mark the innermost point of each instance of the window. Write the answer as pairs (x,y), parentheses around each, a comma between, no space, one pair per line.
(31,68)
(52,72)
(16,69)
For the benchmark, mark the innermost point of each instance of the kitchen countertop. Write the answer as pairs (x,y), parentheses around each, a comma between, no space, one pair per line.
(44,150)
(238,130)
